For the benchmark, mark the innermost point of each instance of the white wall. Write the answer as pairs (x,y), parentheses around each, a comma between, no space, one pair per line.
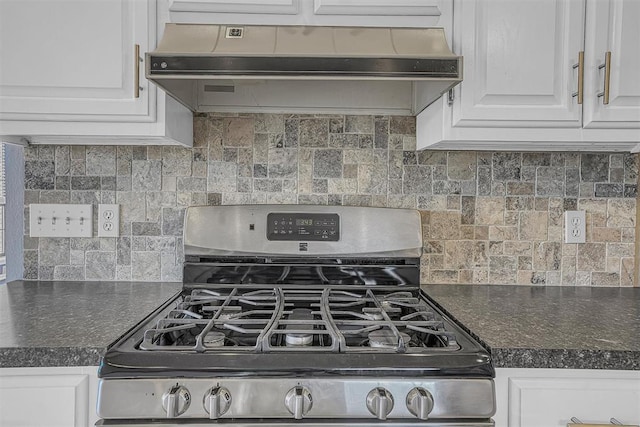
(14,211)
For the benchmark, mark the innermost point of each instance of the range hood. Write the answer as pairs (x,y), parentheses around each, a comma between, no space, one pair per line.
(260,68)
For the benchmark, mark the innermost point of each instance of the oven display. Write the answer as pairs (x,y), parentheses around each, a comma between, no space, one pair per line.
(303,227)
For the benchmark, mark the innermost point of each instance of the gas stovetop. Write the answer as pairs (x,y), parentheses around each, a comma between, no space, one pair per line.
(297,319)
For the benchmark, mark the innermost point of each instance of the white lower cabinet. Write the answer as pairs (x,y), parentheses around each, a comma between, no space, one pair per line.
(551,397)
(48,397)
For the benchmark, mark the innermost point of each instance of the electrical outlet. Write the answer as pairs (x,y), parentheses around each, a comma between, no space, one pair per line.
(50,220)
(575,227)
(108,220)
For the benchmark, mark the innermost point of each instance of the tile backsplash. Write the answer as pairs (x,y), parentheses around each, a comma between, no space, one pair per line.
(489,217)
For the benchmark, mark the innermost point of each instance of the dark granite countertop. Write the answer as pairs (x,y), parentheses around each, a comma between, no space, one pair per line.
(549,327)
(71,323)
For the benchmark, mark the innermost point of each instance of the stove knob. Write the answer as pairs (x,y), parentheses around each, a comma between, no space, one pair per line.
(216,402)
(380,402)
(420,402)
(298,401)
(176,401)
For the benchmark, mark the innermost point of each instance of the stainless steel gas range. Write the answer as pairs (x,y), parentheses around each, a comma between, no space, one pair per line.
(298,315)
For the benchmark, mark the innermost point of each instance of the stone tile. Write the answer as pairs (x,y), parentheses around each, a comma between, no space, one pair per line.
(547,256)
(356,200)
(489,211)
(85,183)
(627,272)
(100,265)
(444,225)
(605,279)
(53,250)
(191,184)
(54,197)
(609,190)
(132,205)
(291,132)
(68,272)
(620,213)
(402,124)
(283,163)
(594,167)
(502,270)
(591,257)
(533,225)
(461,165)
(358,124)
(176,161)
(342,140)
(550,181)
(146,266)
(417,180)
(238,131)
(372,179)
(155,201)
(101,159)
(39,175)
(327,163)
(62,160)
(342,186)
(222,177)
(172,221)
(536,159)
(314,133)
(145,228)
(146,175)
(507,166)
(468,208)
(381,132)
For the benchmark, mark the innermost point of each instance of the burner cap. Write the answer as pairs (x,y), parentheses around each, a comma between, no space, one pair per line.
(214,339)
(384,338)
(298,339)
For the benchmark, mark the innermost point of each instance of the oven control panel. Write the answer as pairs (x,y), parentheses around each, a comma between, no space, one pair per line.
(303,226)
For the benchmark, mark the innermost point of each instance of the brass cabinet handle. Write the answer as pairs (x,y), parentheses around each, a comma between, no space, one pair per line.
(580,67)
(607,77)
(136,78)
(612,422)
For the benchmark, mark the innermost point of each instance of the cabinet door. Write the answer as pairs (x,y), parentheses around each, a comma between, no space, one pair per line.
(551,397)
(613,26)
(518,62)
(75,61)
(62,396)
(392,13)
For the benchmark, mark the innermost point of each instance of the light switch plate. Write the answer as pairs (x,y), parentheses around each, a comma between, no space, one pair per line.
(47,220)
(108,220)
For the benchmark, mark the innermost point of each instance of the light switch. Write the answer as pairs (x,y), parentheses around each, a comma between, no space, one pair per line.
(60,220)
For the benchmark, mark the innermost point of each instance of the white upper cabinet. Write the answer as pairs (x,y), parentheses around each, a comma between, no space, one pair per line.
(518,59)
(532,77)
(72,69)
(614,27)
(368,13)
(61,57)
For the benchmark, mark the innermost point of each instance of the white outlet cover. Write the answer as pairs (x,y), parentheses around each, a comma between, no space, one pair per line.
(48,220)
(108,220)
(575,227)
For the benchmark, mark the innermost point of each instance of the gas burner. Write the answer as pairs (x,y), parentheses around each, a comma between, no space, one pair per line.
(214,339)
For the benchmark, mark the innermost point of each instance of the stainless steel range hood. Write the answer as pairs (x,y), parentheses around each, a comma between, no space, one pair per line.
(303,68)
